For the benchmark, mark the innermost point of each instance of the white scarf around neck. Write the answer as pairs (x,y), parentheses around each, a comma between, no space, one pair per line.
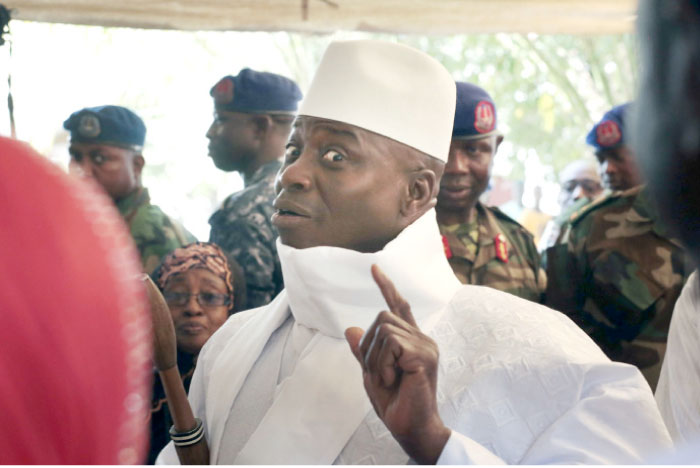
(328,289)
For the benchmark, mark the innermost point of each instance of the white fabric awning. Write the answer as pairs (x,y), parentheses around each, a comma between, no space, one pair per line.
(397,16)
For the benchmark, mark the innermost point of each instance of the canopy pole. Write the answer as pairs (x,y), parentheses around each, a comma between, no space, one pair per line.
(5,30)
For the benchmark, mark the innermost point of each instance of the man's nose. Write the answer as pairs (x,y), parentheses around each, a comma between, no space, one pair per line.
(296,176)
(457,163)
(211,131)
(578,192)
(81,169)
(608,167)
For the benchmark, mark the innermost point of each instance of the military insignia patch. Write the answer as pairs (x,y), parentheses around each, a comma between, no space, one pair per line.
(89,126)
(501,247)
(484,117)
(223,92)
(608,133)
(446,246)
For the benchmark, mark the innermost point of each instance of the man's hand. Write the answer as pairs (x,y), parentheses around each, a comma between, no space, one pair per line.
(164,341)
(399,367)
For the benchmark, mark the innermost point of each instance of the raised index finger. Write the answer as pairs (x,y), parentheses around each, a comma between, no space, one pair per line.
(396,303)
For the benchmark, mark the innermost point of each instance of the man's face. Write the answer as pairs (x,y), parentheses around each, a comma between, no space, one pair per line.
(231,140)
(339,186)
(578,187)
(618,168)
(467,172)
(117,170)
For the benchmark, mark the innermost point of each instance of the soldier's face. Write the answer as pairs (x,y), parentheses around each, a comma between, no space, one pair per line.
(467,172)
(116,170)
(618,168)
(339,186)
(195,323)
(232,142)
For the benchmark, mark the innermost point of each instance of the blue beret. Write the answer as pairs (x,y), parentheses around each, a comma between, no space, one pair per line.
(475,113)
(610,131)
(256,92)
(109,125)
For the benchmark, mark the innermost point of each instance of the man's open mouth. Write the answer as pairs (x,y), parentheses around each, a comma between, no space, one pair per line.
(289,208)
(287,213)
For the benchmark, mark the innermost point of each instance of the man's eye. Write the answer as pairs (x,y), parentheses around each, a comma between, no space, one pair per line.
(333,156)
(98,158)
(291,152)
(589,186)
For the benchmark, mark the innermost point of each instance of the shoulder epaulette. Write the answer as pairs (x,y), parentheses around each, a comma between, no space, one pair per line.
(508,220)
(604,200)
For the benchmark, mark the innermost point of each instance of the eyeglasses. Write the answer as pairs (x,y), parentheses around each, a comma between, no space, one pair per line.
(204,299)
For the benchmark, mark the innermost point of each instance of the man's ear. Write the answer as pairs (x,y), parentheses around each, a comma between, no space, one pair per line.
(138,163)
(499,140)
(421,194)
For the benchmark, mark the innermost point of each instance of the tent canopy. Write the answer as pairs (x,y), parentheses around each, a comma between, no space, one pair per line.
(321,16)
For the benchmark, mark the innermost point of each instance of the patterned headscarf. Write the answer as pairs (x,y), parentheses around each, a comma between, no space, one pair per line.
(197,255)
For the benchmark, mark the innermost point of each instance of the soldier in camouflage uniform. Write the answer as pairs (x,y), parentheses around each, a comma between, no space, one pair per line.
(617,166)
(106,144)
(482,244)
(253,113)
(620,273)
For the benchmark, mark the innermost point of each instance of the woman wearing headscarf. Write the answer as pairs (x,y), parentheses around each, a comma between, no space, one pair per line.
(202,287)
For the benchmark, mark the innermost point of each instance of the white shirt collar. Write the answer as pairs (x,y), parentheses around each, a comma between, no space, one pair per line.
(331,288)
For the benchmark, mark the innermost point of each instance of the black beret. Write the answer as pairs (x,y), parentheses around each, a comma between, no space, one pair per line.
(110,125)
(255,92)
(475,112)
(610,131)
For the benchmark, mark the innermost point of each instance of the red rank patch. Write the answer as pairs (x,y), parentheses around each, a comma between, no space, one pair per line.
(484,117)
(446,246)
(501,247)
(608,133)
(223,92)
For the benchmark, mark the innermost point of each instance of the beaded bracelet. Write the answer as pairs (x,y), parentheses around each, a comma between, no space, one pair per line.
(191,437)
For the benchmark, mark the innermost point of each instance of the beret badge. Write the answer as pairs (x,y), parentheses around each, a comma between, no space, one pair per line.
(89,126)
(223,92)
(484,117)
(608,133)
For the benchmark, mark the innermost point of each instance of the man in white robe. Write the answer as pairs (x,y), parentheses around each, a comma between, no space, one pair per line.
(455,374)
(678,392)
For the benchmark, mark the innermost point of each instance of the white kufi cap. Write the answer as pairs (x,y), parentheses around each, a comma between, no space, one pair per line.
(389,89)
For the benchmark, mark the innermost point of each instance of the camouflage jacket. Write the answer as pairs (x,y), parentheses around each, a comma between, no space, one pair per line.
(557,230)
(242,227)
(618,277)
(506,257)
(155,233)
(565,219)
